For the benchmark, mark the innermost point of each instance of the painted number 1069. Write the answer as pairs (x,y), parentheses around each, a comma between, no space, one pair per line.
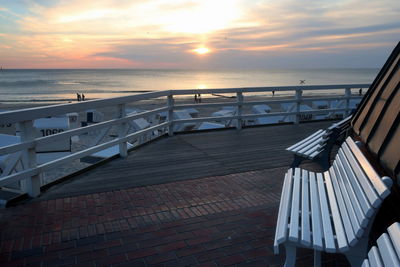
(46,132)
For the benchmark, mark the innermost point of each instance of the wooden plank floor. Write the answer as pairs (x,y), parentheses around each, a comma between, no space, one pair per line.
(190,156)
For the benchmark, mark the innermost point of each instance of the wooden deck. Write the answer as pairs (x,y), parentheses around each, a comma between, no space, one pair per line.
(102,217)
(191,156)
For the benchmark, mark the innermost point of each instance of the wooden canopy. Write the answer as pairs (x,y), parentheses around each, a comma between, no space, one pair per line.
(377,118)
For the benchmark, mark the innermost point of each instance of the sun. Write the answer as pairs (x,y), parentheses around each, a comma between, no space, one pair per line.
(202,50)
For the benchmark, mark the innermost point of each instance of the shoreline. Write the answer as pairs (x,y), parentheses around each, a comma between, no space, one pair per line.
(187,99)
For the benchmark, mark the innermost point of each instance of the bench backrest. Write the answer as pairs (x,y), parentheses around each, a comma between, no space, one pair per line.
(332,134)
(387,251)
(358,191)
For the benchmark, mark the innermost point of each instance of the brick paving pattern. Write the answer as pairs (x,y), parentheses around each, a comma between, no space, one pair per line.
(214,221)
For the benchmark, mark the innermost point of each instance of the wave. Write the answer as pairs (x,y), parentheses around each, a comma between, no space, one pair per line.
(67,83)
(40,82)
(25,83)
(39,100)
(133,91)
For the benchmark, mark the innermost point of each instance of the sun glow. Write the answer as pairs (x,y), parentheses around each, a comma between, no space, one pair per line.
(202,50)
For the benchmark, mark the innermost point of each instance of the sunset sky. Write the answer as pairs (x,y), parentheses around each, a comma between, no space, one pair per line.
(197,34)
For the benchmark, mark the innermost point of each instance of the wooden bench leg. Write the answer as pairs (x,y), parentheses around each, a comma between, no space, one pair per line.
(358,253)
(317,258)
(290,255)
(296,161)
(324,162)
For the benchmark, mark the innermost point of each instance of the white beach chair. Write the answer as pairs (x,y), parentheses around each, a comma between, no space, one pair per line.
(94,116)
(290,107)
(225,111)
(50,126)
(287,106)
(210,126)
(192,111)
(16,162)
(133,126)
(264,109)
(6,128)
(9,162)
(320,104)
(182,115)
(260,109)
(337,114)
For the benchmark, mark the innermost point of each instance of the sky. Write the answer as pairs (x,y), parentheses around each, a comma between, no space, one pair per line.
(203,34)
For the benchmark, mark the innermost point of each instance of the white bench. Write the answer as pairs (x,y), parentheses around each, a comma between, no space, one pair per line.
(331,211)
(387,251)
(317,147)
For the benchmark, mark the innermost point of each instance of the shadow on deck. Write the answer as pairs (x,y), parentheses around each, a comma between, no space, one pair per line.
(207,199)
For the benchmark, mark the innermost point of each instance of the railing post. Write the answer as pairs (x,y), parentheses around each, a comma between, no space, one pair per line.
(170,117)
(298,102)
(32,184)
(123,146)
(347,95)
(239,96)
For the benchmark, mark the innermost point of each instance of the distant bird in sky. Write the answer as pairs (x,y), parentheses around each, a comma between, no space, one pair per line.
(302,81)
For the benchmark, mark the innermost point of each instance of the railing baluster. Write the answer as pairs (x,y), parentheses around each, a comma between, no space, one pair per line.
(298,103)
(347,96)
(170,116)
(123,146)
(239,110)
(32,184)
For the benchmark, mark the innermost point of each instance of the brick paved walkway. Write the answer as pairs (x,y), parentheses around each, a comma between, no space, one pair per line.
(214,221)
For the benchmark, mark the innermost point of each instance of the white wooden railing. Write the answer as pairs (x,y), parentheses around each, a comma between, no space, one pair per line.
(29,176)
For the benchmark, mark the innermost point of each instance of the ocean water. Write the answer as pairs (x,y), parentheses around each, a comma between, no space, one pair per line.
(58,86)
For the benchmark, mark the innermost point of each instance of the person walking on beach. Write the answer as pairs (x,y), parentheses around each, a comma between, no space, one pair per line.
(78,97)
(199,98)
(360,91)
(83,97)
(195,98)
(273,93)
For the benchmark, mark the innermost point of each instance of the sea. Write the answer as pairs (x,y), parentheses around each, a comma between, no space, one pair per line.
(62,85)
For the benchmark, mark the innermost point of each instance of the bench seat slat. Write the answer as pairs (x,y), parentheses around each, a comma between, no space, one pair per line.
(367,187)
(374,257)
(315,214)
(284,210)
(306,146)
(310,147)
(352,206)
(304,140)
(349,207)
(381,188)
(351,239)
(367,209)
(337,222)
(305,210)
(326,218)
(295,207)
(354,201)
(315,154)
(388,253)
(365,263)
(394,233)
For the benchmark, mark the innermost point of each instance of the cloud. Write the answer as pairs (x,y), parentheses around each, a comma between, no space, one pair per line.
(239,32)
